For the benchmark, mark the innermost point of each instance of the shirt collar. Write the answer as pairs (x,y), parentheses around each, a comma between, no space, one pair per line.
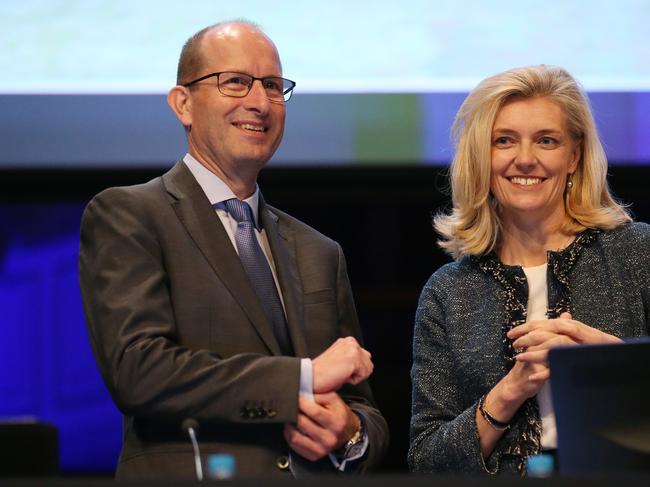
(216,189)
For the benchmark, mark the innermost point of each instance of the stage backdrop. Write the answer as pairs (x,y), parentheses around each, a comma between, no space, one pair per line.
(82,107)
(377,81)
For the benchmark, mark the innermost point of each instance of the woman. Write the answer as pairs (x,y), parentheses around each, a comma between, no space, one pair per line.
(544,256)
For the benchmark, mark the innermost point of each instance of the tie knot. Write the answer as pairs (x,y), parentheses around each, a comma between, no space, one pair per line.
(239,210)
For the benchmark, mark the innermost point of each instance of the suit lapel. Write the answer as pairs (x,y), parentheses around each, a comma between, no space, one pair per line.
(199,219)
(283,247)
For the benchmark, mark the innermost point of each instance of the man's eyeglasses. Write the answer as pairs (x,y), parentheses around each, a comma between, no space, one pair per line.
(239,85)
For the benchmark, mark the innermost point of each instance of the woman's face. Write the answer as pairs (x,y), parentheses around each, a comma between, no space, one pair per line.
(532,155)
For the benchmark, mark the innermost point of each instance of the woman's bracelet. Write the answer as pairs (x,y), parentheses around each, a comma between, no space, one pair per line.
(489,419)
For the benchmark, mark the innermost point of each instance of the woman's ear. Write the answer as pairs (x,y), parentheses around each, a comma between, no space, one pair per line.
(577,154)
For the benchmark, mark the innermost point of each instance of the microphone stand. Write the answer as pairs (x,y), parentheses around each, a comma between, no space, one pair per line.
(191,426)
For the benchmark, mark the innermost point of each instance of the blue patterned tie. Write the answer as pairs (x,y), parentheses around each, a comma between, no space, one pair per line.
(257,267)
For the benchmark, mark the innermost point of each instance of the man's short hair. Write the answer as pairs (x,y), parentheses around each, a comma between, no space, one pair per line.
(190,61)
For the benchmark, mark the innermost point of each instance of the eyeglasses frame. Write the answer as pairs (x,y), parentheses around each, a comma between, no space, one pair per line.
(288,91)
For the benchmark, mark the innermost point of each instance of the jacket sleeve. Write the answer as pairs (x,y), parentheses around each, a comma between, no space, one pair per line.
(444,437)
(132,328)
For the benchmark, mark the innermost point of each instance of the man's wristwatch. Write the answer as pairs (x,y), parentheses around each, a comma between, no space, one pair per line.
(356,438)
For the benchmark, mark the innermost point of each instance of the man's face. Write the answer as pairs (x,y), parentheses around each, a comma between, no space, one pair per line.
(235,136)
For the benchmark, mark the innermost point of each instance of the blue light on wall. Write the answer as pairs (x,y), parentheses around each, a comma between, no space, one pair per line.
(47,370)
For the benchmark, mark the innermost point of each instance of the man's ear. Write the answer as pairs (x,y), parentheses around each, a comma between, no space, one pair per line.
(180,101)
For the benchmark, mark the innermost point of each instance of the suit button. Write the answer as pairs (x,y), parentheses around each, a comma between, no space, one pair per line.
(282,462)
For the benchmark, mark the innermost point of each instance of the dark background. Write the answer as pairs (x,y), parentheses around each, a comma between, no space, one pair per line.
(380,215)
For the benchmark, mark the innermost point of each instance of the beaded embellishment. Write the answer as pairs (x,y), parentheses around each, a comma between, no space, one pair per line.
(515,293)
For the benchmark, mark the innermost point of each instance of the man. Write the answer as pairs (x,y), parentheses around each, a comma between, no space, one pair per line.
(203,302)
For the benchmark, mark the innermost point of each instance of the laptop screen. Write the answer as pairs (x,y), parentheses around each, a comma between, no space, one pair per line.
(601,397)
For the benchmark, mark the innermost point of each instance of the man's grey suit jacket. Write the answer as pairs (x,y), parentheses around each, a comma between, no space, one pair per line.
(178,331)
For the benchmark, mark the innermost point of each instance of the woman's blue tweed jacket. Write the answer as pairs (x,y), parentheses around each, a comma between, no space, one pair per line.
(460,351)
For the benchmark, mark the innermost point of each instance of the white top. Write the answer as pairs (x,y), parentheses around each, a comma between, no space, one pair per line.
(536,310)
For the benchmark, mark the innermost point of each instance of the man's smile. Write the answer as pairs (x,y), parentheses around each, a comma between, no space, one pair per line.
(252,127)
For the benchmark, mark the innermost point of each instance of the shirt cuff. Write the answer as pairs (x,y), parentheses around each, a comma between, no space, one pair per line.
(306,379)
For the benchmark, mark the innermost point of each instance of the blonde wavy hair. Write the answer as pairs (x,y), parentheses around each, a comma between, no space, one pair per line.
(473,226)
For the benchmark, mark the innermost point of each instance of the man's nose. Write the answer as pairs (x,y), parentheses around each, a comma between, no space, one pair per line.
(257,98)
